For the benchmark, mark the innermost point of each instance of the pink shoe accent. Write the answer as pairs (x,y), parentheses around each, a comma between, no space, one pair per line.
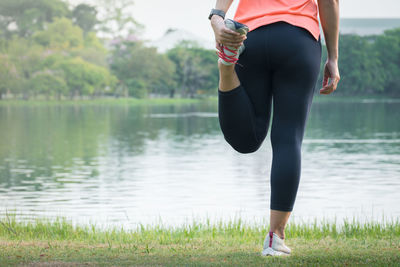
(271,235)
(231,59)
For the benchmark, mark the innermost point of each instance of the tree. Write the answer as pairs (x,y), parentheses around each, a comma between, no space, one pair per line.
(360,68)
(388,51)
(48,83)
(24,17)
(116,19)
(83,78)
(8,75)
(93,50)
(141,70)
(26,57)
(196,68)
(61,34)
(85,17)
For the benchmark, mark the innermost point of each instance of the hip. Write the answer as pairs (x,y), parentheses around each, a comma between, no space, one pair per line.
(281,43)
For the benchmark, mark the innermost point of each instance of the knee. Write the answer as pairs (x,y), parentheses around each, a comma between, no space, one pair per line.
(286,138)
(245,148)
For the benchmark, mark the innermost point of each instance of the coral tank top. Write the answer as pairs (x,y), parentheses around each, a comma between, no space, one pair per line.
(302,13)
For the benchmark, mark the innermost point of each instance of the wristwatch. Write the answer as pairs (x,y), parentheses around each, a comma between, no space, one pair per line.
(216,12)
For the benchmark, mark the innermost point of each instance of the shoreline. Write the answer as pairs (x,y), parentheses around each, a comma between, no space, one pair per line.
(169,101)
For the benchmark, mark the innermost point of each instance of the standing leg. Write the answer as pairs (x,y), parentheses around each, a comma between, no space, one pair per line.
(296,67)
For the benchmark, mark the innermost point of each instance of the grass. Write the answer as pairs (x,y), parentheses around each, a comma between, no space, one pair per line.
(232,243)
(100,101)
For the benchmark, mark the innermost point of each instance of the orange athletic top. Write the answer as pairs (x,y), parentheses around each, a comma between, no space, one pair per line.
(302,13)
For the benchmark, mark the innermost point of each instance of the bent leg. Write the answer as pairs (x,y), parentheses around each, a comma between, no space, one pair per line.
(238,120)
(244,111)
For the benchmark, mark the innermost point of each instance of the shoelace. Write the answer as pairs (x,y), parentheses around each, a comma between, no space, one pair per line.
(222,55)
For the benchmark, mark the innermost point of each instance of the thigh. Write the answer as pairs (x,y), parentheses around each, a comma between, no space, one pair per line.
(256,78)
(296,59)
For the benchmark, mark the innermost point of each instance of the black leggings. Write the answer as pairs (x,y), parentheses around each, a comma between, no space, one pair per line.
(280,65)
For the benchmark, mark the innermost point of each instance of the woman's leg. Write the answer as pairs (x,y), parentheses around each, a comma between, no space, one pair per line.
(278,220)
(228,78)
(244,97)
(295,60)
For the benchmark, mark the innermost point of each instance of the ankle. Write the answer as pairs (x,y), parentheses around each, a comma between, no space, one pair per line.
(225,69)
(279,232)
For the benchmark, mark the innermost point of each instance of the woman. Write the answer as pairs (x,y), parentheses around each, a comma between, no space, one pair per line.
(278,66)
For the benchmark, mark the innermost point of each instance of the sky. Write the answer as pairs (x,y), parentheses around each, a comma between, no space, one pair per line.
(191,15)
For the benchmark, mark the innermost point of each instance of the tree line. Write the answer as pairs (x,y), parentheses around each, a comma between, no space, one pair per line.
(369,65)
(52,50)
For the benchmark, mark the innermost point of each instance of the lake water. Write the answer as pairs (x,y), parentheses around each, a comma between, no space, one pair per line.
(116,165)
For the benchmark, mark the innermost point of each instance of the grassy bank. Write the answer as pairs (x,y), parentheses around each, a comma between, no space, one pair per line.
(101,101)
(177,101)
(354,99)
(231,243)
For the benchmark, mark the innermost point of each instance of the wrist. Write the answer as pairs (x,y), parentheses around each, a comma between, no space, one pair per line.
(333,58)
(216,13)
(216,19)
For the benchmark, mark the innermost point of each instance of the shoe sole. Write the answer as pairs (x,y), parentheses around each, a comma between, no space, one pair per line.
(236,26)
(271,252)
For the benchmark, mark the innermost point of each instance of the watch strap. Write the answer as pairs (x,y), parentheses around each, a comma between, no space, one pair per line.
(216,12)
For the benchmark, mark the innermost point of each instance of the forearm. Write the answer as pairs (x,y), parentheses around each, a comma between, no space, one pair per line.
(329,17)
(223,5)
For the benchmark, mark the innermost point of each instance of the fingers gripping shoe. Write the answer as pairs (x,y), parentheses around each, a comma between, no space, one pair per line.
(229,55)
(274,246)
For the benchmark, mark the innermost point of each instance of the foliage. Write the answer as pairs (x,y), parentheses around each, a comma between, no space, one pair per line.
(116,20)
(52,64)
(85,17)
(388,51)
(361,68)
(368,65)
(28,16)
(48,83)
(84,78)
(141,70)
(196,68)
(8,74)
(61,34)
(22,57)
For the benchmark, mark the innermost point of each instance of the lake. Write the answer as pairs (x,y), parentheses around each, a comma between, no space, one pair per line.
(121,165)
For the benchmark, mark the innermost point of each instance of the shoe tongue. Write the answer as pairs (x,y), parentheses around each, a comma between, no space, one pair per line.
(278,237)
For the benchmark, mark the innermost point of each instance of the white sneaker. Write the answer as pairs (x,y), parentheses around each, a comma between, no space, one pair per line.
(229,55)
(274,246)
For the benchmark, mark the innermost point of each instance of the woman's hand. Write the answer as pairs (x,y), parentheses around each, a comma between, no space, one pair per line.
(225,36)
(331,71)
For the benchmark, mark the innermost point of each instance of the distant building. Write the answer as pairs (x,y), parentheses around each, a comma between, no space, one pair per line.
(174,36)
(360,26)
(367,26)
